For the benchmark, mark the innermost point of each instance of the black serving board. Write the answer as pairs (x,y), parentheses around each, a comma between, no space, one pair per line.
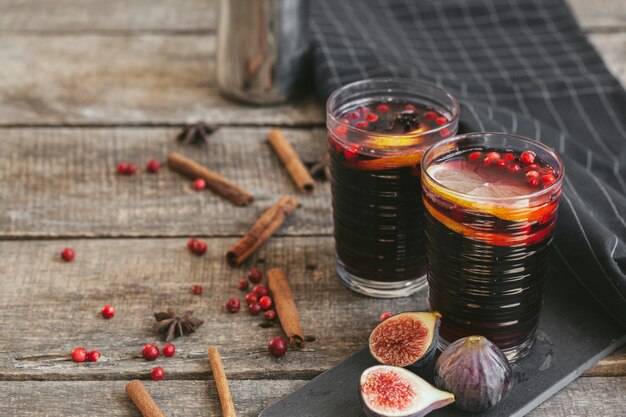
(573,335)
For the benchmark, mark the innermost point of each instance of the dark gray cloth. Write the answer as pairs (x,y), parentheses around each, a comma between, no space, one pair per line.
(520,66)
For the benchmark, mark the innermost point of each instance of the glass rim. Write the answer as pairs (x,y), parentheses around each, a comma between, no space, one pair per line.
(456,111)
(554,186)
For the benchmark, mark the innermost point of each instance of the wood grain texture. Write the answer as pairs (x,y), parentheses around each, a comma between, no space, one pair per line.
(584,397)
(48,306)
(62,182)
(45,16)
(143,79)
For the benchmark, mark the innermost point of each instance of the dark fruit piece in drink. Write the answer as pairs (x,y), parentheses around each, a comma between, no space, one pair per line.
(475,371)
(408,120)
(388,391)
(406,339)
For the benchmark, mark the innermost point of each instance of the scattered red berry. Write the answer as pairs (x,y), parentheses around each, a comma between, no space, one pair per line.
(122,168)
(233,305)
(169,350)
(353,115)
(534,182)
(371,117)
(548,179)
(260,290)
(132,168)
(255,275)
(190,243)
(410,107)
(474,156)
(153,166)
(199,184)
(382,108)
(196,289)
(93,356)
(79,354)
(266,302)
(361,125)
(254,308)
(251,298)
(430,115)
(157,373)
(385,315)
(107,311)
(514,168)
(532,175)
(508,157)
(270,315)
(150,352)
(278,346)
(198,247)
(527,157)
(243,284)
(68,254)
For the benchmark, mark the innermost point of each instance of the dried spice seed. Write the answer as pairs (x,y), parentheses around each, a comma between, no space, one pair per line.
(197,133)
(172,326)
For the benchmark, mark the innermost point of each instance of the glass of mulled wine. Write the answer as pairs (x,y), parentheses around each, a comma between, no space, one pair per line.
(490,204)
(378,131)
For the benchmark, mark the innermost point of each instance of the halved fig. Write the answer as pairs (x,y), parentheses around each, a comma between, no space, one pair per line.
(390,391)
(407,339)
(476,371)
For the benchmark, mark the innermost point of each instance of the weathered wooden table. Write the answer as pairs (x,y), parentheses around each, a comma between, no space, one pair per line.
(87,83)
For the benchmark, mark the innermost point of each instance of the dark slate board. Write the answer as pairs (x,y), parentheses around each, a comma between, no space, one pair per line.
(574,335)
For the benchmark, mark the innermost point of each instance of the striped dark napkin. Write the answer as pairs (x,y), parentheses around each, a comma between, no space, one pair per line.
(520,66)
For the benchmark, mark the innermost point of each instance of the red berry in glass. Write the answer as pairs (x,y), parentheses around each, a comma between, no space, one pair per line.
(270,315)
(233,304)
(484,250)
(255,275)
(79,354)
(157,373)
(93,356)
(254,308)
(251,298)
(150,352)
(260,290)
(266,302)
(169,350)
(199,184)
(153,166)
(68,254)
(243,284)
(107,311)
(277,346)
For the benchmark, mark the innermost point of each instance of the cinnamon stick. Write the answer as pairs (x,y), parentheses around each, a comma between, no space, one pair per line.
(285,306)
(269,222)
(291,160)
(142,399)
(217,367)
(222,186)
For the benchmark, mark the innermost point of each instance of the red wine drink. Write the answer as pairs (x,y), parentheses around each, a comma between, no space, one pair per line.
(490,204)
(378,131)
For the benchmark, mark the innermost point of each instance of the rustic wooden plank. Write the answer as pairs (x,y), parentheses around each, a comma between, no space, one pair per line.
(584,397)
(47,307)
(113,15)
(62,182)
(192,15)
(612,48)
(147,79)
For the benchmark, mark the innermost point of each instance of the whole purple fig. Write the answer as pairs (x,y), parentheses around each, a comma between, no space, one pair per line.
(475,371)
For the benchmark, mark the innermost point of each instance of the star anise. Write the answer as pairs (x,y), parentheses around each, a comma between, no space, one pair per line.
(408,120)
(197,133)
(173,326)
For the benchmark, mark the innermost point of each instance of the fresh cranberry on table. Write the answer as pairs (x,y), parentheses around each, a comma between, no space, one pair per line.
(93,356)
(150,352)
(79,354)
(278,346)
(107,311)
(169,350)
(157,373)
(68,254)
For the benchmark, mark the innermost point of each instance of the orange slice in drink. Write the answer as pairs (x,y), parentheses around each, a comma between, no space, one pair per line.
(477,185)
(390,162)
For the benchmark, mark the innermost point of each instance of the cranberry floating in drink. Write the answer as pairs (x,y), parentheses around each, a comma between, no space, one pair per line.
(378,130)
(490,203)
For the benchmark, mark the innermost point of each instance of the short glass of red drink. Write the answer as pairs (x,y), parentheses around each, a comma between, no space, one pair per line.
(378,131)
(491,203)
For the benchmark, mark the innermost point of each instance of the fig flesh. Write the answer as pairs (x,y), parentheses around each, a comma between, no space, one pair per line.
(475,371)
(407,339)
(390,391)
